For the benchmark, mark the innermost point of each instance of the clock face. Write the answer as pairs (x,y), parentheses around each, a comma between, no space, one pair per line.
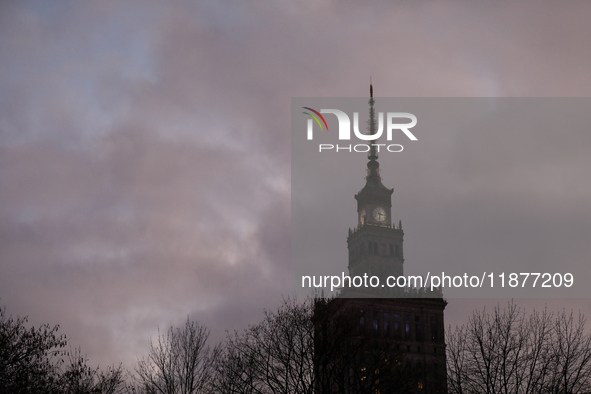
(379,214)
(362,215)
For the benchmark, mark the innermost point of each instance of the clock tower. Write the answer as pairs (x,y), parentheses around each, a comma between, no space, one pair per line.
(395,336)
(375,245)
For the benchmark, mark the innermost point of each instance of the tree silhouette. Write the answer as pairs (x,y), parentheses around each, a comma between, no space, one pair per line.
(34,360)
(29,357)
(305,348)
(507,351)
(179,362)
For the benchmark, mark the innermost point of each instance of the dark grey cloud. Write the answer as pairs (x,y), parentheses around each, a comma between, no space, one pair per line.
(145,154)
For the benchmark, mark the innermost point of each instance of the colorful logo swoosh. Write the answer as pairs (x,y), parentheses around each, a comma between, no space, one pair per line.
(315,118)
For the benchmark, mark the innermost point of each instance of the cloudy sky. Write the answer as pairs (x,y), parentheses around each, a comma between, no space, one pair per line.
(145,146)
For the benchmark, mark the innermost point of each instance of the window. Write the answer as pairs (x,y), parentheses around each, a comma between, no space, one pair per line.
(386,325)
(391,250)
(396,325)
(433,329)
(397,253)
(407,327)
(420,385)
(375,323)
(418,330)
(362,321)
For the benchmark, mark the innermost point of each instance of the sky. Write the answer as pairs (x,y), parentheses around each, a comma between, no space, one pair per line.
(145,149)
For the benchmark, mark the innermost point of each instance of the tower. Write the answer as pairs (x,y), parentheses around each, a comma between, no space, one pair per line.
(396,343)
(375,245)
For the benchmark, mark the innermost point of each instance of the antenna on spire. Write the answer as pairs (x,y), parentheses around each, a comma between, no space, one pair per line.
(372,155)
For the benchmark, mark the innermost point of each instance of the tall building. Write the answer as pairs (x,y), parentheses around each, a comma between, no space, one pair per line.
(398,342)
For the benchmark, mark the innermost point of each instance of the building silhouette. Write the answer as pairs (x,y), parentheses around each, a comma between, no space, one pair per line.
(379,339)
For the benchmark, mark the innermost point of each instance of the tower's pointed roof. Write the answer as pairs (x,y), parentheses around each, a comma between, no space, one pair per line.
(373,179)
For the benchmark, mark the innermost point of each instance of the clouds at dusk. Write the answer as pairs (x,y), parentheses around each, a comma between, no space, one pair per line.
(145,146)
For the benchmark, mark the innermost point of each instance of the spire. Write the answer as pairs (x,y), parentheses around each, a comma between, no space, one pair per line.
(373,165)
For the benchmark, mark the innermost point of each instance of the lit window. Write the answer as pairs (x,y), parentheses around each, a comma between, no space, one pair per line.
(407,327)
(420,385)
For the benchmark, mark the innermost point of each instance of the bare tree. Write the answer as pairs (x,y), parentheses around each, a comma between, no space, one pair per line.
(79,378)
(310,347)
(29,357)
(507,351)
(179,362)
(274,356)
(34,360)
(570,369)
